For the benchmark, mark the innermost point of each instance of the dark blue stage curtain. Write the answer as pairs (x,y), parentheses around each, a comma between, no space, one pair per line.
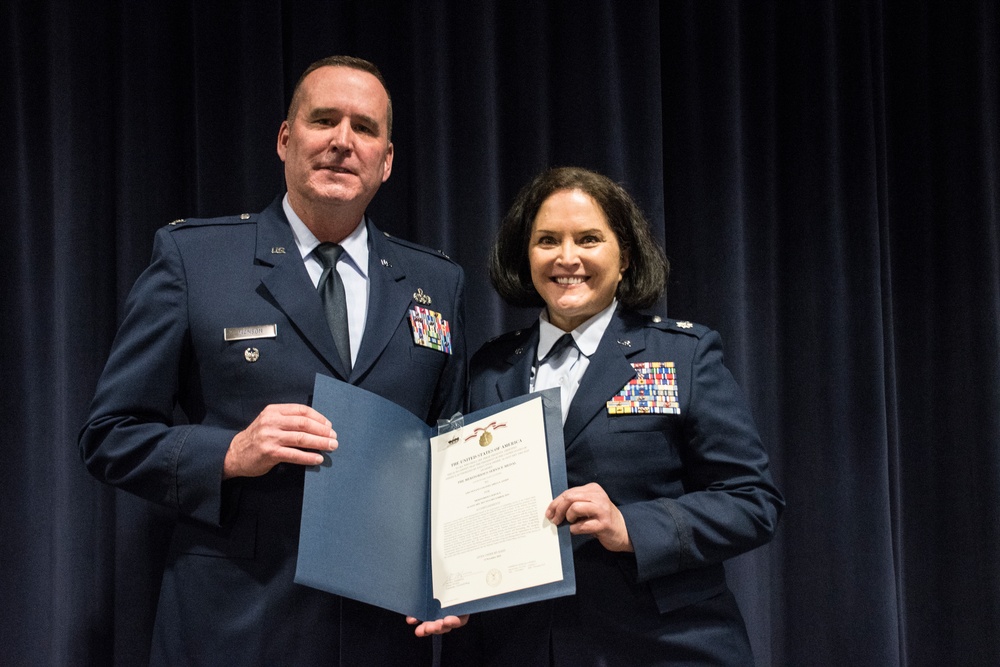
(824,176)
(832,202)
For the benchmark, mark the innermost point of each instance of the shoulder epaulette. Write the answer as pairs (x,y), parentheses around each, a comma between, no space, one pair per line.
(679,326)
(204,222)
(417,246)
(508,335)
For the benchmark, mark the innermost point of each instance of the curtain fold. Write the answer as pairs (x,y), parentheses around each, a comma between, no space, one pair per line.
(831,196)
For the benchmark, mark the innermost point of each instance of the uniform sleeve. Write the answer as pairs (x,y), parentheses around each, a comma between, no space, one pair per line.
(130,439)
(730,504)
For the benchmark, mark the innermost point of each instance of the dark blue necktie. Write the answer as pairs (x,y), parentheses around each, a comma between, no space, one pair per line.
(561,344)
(331,293)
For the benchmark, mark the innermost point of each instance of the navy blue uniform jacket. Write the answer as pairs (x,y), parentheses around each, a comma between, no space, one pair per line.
(228,595)
(694,489)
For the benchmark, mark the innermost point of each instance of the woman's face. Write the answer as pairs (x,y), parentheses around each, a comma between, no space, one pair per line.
(576,262)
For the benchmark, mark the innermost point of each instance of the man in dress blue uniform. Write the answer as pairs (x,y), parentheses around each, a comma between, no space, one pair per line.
(227,325)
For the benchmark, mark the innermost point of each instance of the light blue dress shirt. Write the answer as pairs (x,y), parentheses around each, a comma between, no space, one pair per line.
(565,370)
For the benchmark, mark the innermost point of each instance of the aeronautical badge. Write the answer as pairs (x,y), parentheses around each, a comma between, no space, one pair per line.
(430,329)
(653,391)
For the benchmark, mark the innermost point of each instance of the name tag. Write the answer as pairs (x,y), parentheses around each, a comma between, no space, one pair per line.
(247,333)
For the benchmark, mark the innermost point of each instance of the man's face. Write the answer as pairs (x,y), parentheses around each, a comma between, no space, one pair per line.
(336,149)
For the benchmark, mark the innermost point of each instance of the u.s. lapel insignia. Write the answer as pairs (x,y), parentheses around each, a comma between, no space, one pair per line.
(421,298)
(277,250)
(386,263)
(430,329)
(653,391)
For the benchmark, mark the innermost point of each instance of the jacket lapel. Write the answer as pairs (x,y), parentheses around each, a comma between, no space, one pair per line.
(515,381)
(289,284)
(388,301)
(608,372)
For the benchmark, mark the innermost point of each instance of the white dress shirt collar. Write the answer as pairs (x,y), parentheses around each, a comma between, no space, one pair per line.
(355,245)
(586,336)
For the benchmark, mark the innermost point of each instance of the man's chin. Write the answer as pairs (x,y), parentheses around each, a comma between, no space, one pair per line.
(336,194)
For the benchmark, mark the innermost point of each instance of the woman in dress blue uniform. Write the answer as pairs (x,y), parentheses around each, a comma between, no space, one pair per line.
(667,474)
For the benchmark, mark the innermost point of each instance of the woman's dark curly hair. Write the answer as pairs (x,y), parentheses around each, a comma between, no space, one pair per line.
(643,281)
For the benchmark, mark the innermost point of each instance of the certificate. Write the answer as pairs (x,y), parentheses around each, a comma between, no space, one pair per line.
(489,490)
(431,521)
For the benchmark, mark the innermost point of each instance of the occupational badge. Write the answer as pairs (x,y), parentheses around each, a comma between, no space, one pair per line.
(421,298)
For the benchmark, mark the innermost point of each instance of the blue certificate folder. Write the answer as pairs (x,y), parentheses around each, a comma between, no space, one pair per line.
(366,530)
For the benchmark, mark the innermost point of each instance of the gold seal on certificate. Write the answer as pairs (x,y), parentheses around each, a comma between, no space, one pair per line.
(484,433)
